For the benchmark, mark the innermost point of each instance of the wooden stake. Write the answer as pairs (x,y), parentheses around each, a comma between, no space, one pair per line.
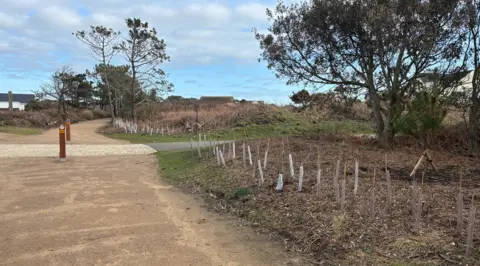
(343,197)
(198,145)
(335,183)
(244,156)
(319,176)
(292,172)
(266,155)
(221,158)
(470,228)
(249,155)
(355,186)
(261,172)
(300,179)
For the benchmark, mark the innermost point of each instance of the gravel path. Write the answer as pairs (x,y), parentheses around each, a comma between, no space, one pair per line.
(51,150)
(110,210)
(85,142)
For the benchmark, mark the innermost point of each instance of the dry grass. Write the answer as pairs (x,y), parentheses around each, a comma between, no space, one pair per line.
(46,118)
(315,225)
(210,117)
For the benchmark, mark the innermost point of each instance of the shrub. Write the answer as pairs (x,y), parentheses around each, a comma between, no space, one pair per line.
(97,114)
(87,115)
(37,105)
(422,118)
(301,97)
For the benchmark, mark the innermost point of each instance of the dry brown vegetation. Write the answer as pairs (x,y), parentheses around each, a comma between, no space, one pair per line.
(47,118)
(314,224)
(210,117)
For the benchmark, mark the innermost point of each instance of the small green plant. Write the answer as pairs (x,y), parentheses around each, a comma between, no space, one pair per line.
(423,117)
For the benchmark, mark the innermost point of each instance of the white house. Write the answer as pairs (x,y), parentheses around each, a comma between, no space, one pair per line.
(458,82)
(19,101)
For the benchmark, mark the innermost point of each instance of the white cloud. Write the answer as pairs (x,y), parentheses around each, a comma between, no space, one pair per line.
(212,12)
(155,10)
(11,21)
(195,32)
(60,16)
(254,11)
(4,46)
(107,20)
(21,3)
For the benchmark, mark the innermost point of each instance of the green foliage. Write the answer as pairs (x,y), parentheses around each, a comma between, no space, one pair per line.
(177,98)
(423,117)
(301,97)
(152,95)
(183,167)
(20,130)
(358,44)
(33,105)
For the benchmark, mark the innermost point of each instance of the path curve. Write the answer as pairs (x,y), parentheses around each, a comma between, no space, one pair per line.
(112,210)
(82,133)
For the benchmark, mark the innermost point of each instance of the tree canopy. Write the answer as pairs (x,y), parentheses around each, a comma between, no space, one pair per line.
(377,47)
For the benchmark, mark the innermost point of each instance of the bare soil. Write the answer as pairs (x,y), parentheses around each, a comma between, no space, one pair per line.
(113,210)
(315,224)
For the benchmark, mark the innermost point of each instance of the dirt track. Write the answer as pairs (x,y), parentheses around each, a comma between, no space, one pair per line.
(113,210)
(82,133)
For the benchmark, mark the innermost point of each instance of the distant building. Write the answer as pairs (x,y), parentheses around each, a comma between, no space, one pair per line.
(19,101)
(216,99)
(457,82)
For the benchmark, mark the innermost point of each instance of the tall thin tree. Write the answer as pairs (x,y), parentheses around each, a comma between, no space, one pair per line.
(101,41)
(144,51)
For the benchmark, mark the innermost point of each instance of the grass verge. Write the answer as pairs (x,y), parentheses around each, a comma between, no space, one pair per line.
(288,128)
(184,168)
(25,131)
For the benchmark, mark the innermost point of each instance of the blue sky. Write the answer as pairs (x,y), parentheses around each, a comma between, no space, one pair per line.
(212,48)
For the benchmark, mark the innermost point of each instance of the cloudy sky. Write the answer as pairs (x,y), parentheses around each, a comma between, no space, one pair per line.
(213,50)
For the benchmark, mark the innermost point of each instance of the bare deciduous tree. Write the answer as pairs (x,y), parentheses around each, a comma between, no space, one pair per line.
(58,88)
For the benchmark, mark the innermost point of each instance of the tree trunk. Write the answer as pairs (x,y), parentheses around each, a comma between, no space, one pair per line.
(112,113)
(380,130)
(474,115)
(116,101)
(134,78)
(389,131)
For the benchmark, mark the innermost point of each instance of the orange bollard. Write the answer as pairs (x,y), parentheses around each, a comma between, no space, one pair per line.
(63,153)
(67,127)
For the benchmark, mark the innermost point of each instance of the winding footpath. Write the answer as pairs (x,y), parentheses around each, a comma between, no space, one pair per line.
(106,205)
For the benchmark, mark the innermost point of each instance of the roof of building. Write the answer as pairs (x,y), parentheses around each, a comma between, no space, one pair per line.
(446,79)
(17,97)
(216,97)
